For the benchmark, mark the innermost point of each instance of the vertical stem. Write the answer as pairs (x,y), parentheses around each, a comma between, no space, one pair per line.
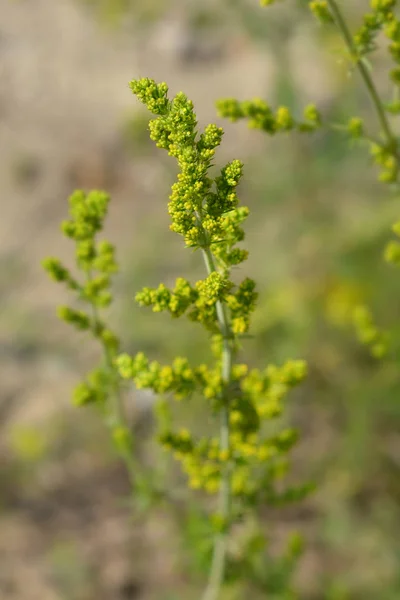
(121,420)
(363,70)
(217,571)
(117,403)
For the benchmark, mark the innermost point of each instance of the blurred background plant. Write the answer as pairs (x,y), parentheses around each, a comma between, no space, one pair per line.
(319,224)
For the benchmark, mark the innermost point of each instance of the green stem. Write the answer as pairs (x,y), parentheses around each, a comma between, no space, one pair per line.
(363,70)
(137,479)
(118,410)
(218,565)
(120,420)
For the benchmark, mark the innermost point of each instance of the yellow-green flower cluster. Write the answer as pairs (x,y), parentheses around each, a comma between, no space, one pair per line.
(392,250)
(261,116)
(391,30)
(368,333)
(175,301)
(241,304)
(385,156)
(178,379)
(96,259)
(266,389)
(152,94)
(355,128)
(203,211)
(321,10)
(94,389)
(254,396)
(381,16)
(260,459)
(199,302)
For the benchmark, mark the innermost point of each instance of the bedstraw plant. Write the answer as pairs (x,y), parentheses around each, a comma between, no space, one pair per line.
(241,460)
(245,460)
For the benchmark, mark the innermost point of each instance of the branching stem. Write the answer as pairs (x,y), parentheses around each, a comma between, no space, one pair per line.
(365,75)
(117,406)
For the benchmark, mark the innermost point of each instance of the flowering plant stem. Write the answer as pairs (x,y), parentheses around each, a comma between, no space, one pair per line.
(118,420)
(364,72)
(217,570)
(244,462)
